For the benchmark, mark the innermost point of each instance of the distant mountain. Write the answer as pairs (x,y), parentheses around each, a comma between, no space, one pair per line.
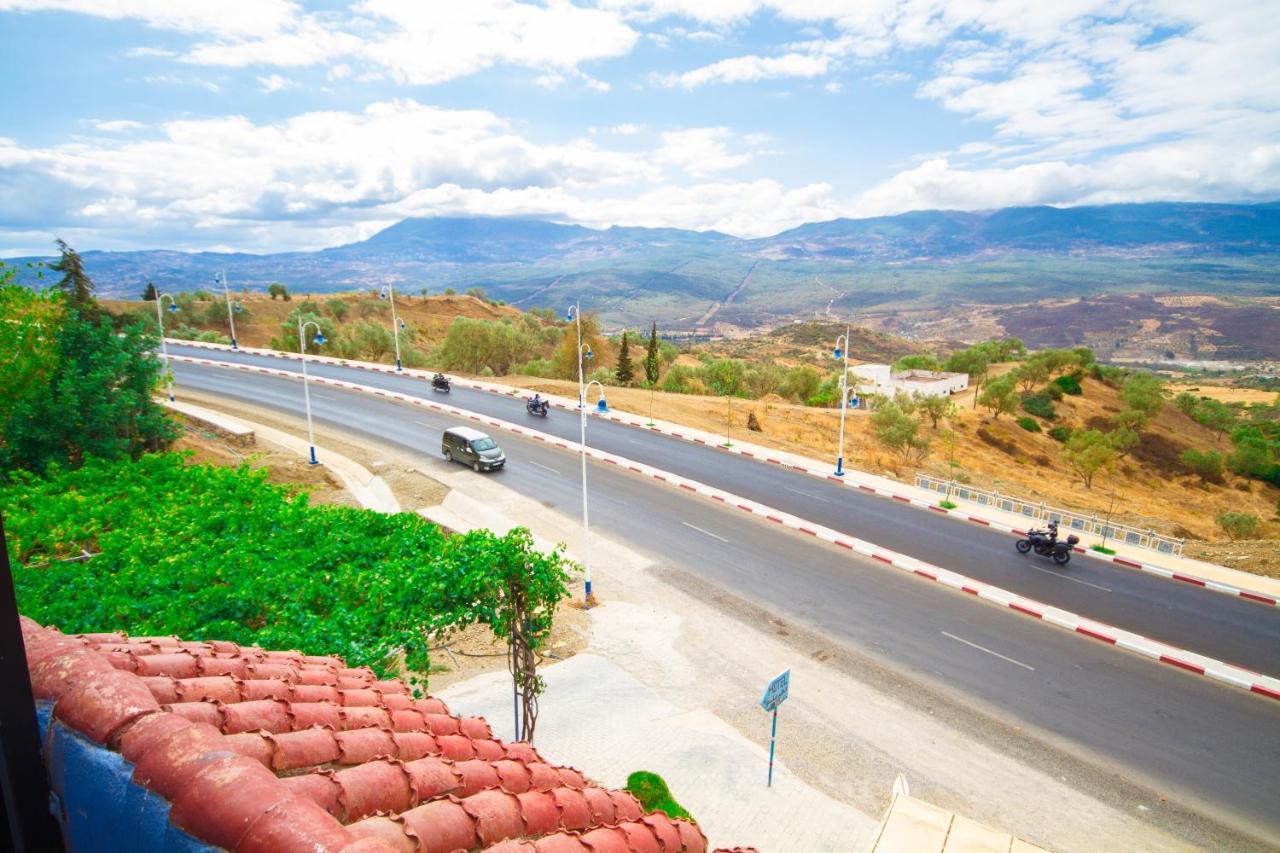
(632,275)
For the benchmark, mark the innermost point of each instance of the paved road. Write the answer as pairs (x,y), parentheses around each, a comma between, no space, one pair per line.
(1208,747)
(1230,629)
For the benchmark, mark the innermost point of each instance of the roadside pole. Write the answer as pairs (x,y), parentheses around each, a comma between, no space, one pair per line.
(775,693)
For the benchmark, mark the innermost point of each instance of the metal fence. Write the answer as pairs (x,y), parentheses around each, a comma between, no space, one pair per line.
(1039,511)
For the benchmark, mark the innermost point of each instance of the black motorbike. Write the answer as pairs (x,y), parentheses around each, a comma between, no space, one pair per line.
(1046,544)
(440,382)
(537,407)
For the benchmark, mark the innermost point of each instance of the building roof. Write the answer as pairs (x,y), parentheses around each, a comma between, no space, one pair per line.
(280,751)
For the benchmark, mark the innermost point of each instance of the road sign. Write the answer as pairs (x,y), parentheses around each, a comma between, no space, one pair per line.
(776,693)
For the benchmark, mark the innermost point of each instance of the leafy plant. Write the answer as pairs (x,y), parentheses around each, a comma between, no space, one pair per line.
(652,792)
(1039,404)
(1086,453)
(1239,525)
(1069,383)
(1102,549)
(1060,433)
(947,504)
(1029,424)
(1205,464)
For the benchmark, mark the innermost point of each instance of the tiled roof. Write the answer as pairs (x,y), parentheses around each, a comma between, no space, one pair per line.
(264,750)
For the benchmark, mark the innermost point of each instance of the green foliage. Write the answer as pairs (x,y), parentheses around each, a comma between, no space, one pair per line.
(651,366)
(917,361)
(537,367)
(625,370)
(278,290)
(472,345)
(1029,424)
(935,408)
(1143,393)
(337,309)
(801,383)
(287,340)
(682,379)
(208,552)
(1256,453)
(1102,549)
(947,504)
(897,431)
(478,293)
(75,284)
(1000,395)
(567,355)
(652,792)
(1069,383)
(74,386)
(149,293)
(725,377)
(1206,464)
(1239,525)
(1060,433)
(1086,453)
(765,378)
(1039,404)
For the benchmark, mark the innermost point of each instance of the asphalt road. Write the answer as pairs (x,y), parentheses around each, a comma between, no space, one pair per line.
(1231,629)
(1210,748)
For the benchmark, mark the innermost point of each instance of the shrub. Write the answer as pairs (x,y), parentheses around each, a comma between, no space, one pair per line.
(278,291)
(1206,464)
(1040,405)
(1054,392)
(1102,549)
(1069,383)
(537,367)
(947,504)
(1239,525)
(1029,424)
(1060,433)
(652,792)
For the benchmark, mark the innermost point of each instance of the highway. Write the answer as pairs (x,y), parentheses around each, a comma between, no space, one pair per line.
(1229,629)
(1210,748)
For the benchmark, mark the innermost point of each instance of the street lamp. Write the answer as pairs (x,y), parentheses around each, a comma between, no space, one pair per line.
(233,308)
(841,354)
(318,340)
(164,348)
(388,292)
(584,354)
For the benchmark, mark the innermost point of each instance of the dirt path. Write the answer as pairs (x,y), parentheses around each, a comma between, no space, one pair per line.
(728,300)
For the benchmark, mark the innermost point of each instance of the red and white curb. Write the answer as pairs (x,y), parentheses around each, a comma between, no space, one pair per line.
(1183,659)
(763,455)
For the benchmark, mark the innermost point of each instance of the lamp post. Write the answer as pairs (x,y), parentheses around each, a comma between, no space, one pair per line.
(584,354)
(388,292)
(306,382)
(164,348)
(841,354)
(233,308)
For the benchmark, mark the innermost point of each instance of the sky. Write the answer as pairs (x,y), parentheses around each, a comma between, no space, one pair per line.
(273,125)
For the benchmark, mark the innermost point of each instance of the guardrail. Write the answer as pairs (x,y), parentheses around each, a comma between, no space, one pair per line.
(1039,511)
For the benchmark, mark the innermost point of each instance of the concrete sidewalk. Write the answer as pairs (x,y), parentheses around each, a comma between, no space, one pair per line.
(598,717)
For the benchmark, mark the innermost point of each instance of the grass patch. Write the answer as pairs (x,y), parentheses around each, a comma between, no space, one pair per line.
(1102,549)
(947,504)
(652,792)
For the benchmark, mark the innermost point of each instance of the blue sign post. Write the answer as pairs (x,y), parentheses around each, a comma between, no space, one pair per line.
(774,695)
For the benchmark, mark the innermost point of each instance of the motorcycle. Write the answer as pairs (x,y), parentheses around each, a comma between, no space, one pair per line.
(1046,544)
(537,407)
(440,382)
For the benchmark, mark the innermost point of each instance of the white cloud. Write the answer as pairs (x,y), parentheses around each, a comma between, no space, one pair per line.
(119,125)
(699,151)
(341,71)
(275,83)
(238,18)
(626,129)
(741,69)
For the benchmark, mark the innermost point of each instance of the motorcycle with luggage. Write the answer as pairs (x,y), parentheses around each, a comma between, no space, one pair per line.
(1047,544)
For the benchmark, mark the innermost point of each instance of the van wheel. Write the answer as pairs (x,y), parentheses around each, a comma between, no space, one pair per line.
(448,456)
(476,466)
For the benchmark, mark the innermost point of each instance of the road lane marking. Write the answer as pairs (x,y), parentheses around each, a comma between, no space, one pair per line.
(543,467)
(707,532)
(807,494)
(1065,578)
(988,651)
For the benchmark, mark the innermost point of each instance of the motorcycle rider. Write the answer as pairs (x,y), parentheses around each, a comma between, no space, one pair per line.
(536,402)
(1053,533)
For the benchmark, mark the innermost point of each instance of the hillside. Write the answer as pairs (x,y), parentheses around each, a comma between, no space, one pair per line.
(905,271)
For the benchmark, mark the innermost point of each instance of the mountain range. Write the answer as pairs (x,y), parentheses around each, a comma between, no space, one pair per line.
(686,278)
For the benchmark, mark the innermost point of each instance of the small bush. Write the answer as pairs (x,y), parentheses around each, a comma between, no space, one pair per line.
(1029,424)
(1069,383)
(1060,433)
(1102,549)
(653,794)
(1054,392)
(1239,525)
(1206,464)
(947,504)
(1040,405)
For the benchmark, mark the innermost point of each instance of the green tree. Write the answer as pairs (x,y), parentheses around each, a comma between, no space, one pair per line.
(566,355)
(1086,453)
(1033,372)
(75,284)
(974,361)
(935,408)
(725,377)
(651,365)
(918,361)
(278,290)
(150,294)
(1205,464)
(1000,395)
(287,340)
(625,371)
(898,431)
(474,345)
(801,383)
(1143,393)
(95,400)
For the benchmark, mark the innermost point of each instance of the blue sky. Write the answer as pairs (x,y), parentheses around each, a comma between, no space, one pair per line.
(267,125)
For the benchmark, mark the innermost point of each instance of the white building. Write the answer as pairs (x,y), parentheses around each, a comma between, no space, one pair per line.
(880,379)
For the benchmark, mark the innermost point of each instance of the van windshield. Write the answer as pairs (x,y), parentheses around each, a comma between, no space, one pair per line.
(483,444)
